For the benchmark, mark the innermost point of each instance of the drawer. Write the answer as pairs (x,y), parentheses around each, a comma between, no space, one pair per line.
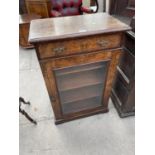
(80,45)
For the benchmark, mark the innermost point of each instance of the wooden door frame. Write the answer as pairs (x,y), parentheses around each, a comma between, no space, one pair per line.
(50,65)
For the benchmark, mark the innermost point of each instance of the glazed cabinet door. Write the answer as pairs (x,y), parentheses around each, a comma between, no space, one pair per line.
(80,83)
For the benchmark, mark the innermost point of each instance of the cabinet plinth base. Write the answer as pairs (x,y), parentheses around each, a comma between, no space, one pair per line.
(70,118)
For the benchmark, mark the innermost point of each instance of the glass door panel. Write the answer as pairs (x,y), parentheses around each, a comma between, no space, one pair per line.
(81,87)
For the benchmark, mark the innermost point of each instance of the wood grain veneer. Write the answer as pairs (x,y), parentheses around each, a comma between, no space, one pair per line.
(24,24)
(78,57)
(39,7)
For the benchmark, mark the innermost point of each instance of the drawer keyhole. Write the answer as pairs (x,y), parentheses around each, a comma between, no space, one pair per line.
(84,46)
(58,50)
(103,43)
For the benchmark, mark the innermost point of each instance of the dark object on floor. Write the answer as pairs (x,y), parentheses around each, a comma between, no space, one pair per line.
(21,100)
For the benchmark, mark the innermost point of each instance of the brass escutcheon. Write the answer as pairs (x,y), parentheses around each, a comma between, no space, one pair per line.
(103,43)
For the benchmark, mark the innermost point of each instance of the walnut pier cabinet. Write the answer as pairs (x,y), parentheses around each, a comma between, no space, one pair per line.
(78,56)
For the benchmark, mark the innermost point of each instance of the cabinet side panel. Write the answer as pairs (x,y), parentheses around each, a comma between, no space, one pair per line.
(111,75)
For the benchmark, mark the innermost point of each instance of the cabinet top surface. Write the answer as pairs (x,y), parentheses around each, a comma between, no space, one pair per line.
(74,26)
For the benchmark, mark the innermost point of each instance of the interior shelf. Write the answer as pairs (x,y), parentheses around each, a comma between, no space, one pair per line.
(80,79)
(81,93)
(80,68)
(82,105)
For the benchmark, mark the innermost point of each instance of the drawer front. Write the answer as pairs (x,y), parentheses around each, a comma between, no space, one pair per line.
(81,45)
